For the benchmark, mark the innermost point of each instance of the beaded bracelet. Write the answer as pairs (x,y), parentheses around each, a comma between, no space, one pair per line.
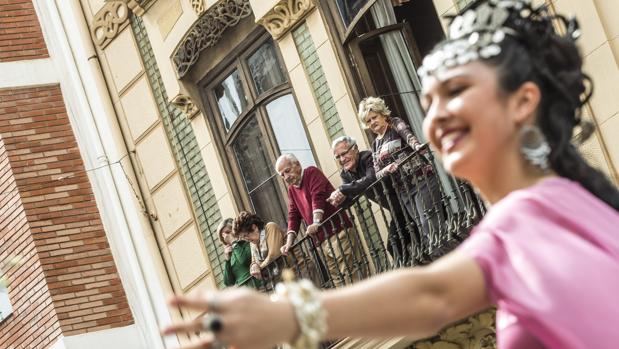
(310,314)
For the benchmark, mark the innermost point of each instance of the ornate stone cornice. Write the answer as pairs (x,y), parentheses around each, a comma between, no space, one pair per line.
(285,15)
(186,105)
(207,31)
(108,21)
(198,6)
(111,18)
(477,332)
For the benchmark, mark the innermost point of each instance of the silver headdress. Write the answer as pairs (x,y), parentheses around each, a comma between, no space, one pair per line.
(475,34)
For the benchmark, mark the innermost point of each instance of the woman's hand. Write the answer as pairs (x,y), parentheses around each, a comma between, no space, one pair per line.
(227,252)
(254,270)
(391,168)
(249,319)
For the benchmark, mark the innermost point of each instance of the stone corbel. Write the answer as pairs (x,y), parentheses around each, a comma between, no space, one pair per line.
(186,105)
(285,15)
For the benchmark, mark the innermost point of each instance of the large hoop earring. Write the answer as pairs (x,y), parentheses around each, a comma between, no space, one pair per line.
(534,146)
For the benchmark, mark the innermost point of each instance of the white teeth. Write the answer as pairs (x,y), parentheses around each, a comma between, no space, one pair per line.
(448,140)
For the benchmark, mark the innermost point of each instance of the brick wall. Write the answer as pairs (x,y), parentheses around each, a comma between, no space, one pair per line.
(20,32)
(55,223)
(29,326)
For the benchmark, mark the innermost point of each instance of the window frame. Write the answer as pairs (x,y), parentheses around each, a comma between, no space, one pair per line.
(256,105)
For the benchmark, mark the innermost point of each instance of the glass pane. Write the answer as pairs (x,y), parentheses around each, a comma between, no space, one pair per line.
(265,69)
(231,98)
(259,174)
(288,129)
(5,304)
(349,9)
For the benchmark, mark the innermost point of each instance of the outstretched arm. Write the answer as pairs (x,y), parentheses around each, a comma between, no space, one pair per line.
(407,302)
(415,302)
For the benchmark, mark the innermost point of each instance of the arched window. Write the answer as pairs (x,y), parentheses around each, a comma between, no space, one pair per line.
(256,118)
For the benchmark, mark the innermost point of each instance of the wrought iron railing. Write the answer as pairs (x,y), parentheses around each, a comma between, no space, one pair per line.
(407,218)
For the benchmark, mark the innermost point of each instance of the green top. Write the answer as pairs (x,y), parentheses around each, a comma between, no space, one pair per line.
(236,269)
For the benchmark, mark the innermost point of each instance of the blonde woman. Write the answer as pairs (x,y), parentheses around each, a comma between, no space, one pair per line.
(420,195)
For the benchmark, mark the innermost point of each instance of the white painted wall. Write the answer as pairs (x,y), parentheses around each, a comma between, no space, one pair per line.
(117,338)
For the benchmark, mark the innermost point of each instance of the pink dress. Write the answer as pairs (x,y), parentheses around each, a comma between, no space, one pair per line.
(550,257)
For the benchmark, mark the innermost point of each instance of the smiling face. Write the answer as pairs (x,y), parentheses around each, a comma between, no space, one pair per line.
(376,122)
(471,123)
(346,155)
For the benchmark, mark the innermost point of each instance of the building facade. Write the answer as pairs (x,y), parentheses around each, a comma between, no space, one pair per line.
(129,129)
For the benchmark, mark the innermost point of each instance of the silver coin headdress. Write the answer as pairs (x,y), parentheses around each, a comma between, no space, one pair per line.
(475,34)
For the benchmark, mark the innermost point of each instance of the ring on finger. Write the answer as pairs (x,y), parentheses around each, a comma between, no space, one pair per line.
(212,322)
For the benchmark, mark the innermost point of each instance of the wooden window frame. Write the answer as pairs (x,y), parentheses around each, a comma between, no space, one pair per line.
(256,105)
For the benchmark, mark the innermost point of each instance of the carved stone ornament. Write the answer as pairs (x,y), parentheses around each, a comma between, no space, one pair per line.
(198,6)
(184,103)
(108,21)
(285,15)
(478,332)
(207,31)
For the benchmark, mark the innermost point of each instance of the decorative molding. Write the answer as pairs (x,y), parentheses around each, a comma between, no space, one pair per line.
(186,105)
(112,17)
(198,6)
(285,15)
(108,21)
(477,332)
(207,31)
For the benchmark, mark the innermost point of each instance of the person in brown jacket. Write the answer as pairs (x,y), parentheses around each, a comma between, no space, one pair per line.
(266,238)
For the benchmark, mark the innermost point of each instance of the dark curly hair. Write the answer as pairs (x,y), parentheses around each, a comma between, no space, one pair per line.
(244,221)
(552,61)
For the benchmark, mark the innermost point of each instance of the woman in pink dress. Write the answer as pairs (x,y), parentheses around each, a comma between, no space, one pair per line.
(503,96)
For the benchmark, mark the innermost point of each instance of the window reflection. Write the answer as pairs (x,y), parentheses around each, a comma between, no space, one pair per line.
(349,9)
(289,133)
(231,98)
(265,69)
(258,174)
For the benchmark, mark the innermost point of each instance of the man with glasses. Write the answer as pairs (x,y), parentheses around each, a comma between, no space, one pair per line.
(357,176)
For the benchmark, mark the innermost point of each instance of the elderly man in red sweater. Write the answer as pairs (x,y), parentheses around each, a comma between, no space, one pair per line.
(308,190)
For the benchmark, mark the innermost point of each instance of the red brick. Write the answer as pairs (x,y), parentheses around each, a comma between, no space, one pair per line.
(68,282)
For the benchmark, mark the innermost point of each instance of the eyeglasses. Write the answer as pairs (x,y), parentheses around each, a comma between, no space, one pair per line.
(340,156)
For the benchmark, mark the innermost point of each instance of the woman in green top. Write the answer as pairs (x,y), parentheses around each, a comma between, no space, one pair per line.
(238,257)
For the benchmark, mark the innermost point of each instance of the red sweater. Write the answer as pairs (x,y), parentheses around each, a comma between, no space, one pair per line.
(312,195)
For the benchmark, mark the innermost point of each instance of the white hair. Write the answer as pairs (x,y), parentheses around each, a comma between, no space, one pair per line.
(286,157)
(349,140)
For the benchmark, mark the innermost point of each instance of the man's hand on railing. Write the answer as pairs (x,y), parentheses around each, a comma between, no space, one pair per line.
(312,229)
(336,198)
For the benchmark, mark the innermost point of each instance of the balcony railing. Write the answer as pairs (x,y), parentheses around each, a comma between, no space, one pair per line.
(407,218)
